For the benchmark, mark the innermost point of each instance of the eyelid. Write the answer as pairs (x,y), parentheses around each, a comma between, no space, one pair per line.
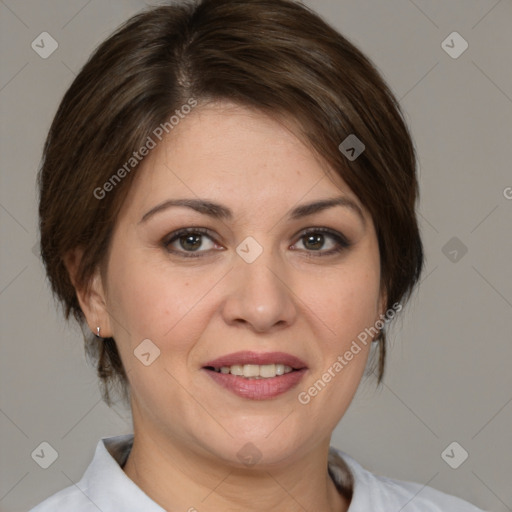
(327,231)
(184,231)
(175,235)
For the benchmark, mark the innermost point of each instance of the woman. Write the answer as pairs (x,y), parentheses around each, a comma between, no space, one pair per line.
(228,197)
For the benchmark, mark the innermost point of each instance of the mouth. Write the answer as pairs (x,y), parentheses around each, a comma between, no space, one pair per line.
(257,376)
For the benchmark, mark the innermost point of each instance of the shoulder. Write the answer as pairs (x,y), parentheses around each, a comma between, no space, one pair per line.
(103,486)
(380,493)
(77,497)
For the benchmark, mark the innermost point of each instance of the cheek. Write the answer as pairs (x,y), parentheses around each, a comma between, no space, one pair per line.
(346,304)
(344,308)
(156,301)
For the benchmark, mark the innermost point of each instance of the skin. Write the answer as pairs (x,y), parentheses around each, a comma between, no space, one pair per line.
(188,430)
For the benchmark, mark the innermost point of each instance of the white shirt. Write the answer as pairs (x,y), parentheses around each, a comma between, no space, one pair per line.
(105,487)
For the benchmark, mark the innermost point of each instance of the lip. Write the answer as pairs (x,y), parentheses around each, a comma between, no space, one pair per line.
(257,389)
(259,358)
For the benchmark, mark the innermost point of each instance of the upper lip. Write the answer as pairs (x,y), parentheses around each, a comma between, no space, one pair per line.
(259,358)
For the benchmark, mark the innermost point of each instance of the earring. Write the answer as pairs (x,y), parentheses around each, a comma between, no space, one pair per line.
(97,332)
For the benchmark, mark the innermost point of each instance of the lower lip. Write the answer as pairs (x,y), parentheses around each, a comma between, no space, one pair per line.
(258,389)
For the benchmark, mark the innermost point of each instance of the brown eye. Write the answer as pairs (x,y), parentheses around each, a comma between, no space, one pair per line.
(191,242)
(314,240)
(186,242)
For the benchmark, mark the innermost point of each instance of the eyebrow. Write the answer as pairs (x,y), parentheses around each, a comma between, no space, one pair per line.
(219,211)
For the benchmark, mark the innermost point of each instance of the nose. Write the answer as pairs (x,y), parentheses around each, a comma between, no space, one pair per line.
(259,295)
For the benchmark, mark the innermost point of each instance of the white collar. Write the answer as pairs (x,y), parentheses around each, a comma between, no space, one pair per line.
(106,487)
(105,472)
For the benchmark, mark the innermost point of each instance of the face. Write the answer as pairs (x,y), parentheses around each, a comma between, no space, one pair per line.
(255,273)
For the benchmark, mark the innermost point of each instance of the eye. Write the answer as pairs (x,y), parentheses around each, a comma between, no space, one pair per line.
(188,241)
(314,240)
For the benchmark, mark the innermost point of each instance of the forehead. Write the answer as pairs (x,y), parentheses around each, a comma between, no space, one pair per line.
(237,141)
(235,154)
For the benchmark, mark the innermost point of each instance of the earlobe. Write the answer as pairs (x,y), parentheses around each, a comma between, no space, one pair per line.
(90,295)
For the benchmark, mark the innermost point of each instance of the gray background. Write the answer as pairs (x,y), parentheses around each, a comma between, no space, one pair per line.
(448,375)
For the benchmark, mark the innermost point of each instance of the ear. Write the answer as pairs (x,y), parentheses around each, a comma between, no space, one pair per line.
(91,296)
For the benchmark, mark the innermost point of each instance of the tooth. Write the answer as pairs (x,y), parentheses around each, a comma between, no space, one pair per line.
(279,369)
(255,371)
(237,369)
(250,370)
(268,370)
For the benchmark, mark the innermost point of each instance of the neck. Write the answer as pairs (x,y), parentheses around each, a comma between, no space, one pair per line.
(179,478)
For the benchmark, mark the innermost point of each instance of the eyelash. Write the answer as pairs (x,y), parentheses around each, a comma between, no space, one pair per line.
(342,242)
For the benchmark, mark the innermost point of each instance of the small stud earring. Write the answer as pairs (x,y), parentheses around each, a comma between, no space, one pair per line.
(97,332)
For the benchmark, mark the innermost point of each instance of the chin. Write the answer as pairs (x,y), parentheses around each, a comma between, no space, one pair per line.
(266,445)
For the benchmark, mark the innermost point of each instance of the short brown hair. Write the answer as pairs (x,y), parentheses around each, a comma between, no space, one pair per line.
(273,55)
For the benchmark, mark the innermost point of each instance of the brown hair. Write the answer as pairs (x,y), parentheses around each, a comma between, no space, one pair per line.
(273,55)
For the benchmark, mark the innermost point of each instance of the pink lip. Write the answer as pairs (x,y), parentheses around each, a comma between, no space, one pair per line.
(248,357)
(258,389)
